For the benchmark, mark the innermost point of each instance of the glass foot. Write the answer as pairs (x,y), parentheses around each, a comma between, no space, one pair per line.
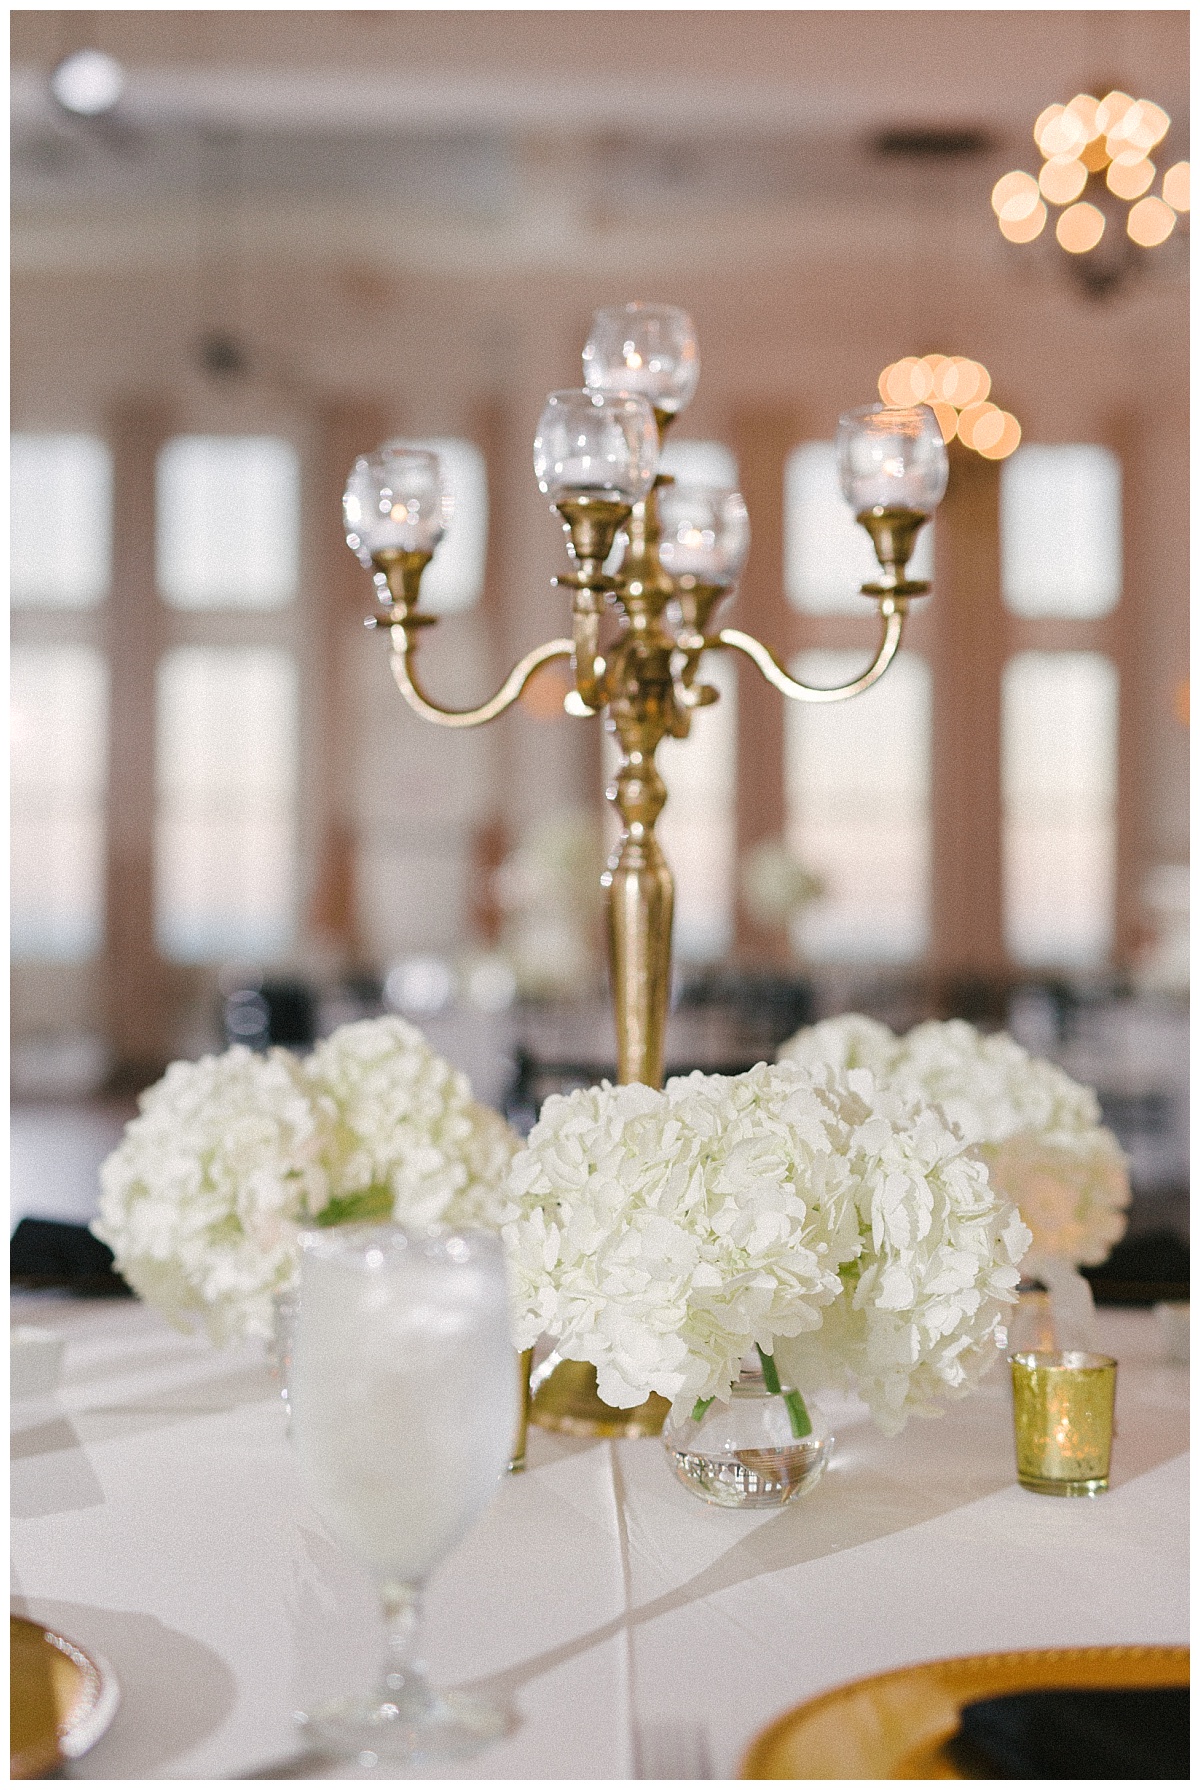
(371,1730)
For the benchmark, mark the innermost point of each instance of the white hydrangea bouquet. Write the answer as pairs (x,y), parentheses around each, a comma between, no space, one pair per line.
(836,1225)
(229,1158)
(1038,1131)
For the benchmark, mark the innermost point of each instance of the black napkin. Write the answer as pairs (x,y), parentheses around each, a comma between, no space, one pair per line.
(45,1253)
(1077,1734)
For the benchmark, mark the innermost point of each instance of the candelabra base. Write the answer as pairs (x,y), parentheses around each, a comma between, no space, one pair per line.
(565,1399)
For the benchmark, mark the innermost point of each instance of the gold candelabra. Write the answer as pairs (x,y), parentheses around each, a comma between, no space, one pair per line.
(641,626)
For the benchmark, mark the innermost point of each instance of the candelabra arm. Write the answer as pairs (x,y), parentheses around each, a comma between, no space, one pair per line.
(591,681)
(405,676)
(892,610)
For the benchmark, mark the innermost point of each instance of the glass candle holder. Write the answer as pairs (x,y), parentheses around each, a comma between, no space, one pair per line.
(396,500)
(704,533)
(1063,1421)
(649,349)
(892,459)
(593,445)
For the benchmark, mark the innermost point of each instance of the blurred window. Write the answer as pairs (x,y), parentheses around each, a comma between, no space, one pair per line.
(1059,716)
(225,830)
(228,522)
(59,763)
(453,579)
(857,778)
(1060,531)
(826,555)
(60,521)
(698,827)
(699,463)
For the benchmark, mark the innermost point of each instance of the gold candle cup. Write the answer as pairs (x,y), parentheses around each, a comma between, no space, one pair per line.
(1063,1421)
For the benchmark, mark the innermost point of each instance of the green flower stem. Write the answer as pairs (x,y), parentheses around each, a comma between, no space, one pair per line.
(797,1411)
(699,1408)
(353,1208)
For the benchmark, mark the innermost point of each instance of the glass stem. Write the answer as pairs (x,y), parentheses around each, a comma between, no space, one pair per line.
(797,1410)
(404,1681)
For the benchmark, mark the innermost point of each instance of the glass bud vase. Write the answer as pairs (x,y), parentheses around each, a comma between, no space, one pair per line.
(285,1305)
(758,1451)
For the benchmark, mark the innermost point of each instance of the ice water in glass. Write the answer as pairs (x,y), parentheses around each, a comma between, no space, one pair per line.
(404,1405)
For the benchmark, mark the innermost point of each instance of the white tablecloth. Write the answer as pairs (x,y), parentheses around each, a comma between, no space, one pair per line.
(158,1520)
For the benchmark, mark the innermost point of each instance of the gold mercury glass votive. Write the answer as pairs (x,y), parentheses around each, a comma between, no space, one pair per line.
(1063,1421)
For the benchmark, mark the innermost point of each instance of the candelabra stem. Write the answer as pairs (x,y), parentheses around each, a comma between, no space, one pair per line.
(641,902)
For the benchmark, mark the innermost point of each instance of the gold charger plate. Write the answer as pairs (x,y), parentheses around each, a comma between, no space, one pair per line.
(62,1699)
(897,1724)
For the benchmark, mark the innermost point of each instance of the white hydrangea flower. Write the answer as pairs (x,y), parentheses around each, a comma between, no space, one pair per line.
(202,1199)
(1072,1192)
(409,1141)
(662,1236)
(1038,1130)
(923,1310)
(851,1041)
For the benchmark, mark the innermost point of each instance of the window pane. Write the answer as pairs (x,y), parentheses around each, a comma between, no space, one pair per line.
(225,835)
(826,555)
(453,579)
(697,829)
(1059,784)
(858,810)
(59,772)
(1060,531)
(228,522)
(61,521)
(699,463)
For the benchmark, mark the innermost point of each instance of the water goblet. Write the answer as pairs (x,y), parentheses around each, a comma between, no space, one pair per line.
(404,1404)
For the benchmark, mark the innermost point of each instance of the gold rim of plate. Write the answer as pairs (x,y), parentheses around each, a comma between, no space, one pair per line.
(62,1699)
(898,1724)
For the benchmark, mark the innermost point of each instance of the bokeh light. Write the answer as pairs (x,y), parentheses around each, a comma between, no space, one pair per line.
(1112,107)
(1063,178)
(1080,142)
(950,384)
(1140,126)
(947,418)
(1059,131)
(1095,156)
(1085,108)
(1080,228)
(907,381)
(1008,438)
(1150,222)
(1015,196)
(1177,186)
(1027,228)
(971,419)
(1130,174)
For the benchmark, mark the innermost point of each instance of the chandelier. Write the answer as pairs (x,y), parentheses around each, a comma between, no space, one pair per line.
(652,559)
(956,390)
(1096,169)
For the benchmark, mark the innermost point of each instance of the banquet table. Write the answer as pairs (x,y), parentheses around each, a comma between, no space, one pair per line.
(159,1521)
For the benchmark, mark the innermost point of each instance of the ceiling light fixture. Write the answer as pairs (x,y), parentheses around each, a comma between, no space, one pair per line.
(1096,152)
(88,83)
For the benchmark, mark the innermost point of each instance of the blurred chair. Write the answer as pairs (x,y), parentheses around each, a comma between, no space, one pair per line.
(271,1012)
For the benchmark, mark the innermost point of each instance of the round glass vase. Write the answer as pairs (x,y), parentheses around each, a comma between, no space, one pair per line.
(757,1451)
